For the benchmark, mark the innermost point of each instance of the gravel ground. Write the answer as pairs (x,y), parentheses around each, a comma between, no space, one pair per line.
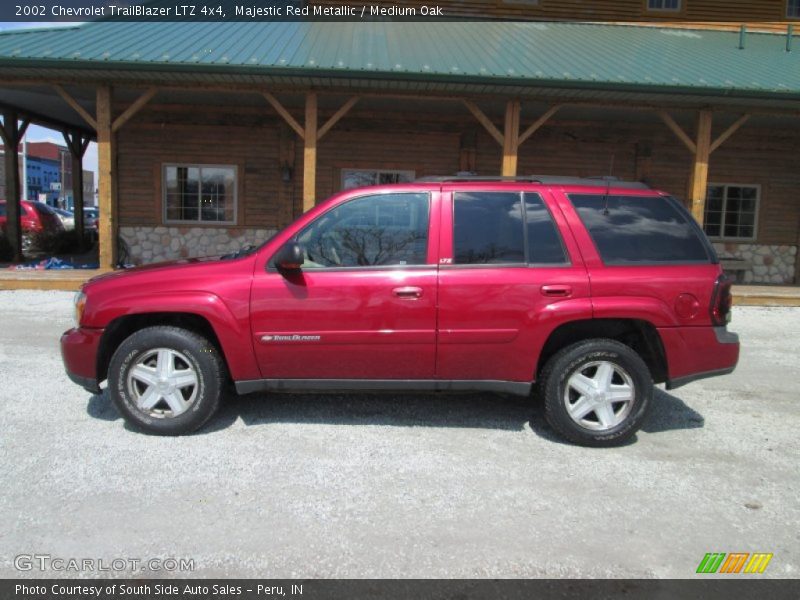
(399,485)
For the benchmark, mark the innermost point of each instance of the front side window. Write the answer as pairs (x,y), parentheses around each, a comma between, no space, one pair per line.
(640,229)
(353,178)
(200,194)
(371,231)
(493,228)
(731,211)
(670,5)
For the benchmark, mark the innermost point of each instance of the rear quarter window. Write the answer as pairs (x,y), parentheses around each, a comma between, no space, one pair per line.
(641,229)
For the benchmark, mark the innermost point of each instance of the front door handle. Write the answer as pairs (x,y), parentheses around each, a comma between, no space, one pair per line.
(556,290)
(408,292)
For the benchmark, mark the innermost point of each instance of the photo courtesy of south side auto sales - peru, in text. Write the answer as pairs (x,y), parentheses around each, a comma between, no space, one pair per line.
(157,589)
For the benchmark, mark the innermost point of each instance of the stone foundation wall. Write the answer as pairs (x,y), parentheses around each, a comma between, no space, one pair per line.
(768,264)
(155,244)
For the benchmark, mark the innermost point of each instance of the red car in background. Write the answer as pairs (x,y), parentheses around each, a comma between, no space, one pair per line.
(36,217)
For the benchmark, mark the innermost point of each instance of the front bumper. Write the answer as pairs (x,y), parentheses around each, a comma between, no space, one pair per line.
(79,348)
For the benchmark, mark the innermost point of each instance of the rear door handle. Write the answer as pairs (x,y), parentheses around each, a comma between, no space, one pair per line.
(556,290)
(408,292)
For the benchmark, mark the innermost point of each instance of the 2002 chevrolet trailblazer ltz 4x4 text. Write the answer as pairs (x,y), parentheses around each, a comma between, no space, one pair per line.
(594,290)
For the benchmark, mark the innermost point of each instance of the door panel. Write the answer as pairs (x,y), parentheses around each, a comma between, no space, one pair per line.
(494,318)
(345,325)
(364,304)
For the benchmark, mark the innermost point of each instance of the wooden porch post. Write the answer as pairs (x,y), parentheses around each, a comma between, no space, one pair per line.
(12,134)
(106,160)
(77,145)
(699,181)
(701,150)
(510,139)
(310,153)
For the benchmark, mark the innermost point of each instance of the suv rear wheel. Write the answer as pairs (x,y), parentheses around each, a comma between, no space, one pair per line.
(166,380)
(596,392)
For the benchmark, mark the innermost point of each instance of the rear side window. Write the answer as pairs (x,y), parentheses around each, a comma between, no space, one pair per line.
(640,229)
(504,228)
(487,228)
(2,210)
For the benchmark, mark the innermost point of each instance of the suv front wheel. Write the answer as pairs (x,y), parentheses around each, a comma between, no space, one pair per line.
(166,380)
(596,392)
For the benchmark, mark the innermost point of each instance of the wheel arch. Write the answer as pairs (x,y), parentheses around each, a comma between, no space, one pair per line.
(123,327)
(640,335)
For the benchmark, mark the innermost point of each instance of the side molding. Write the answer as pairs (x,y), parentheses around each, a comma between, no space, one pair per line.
(517,388)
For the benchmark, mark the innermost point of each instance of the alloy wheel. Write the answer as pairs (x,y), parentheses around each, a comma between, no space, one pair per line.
(163,383)
(599,395)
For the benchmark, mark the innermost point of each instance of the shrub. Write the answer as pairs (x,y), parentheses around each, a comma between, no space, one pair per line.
(61,242)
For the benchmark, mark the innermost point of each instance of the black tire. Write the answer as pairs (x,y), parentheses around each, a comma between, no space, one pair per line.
(581,357)
(192,352)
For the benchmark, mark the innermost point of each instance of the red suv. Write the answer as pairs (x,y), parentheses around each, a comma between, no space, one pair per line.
(35,217)
(593,290)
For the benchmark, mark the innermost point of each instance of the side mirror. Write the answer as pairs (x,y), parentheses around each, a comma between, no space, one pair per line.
(290,257)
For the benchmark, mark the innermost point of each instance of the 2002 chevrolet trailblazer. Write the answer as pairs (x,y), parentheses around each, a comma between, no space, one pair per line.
(593,290)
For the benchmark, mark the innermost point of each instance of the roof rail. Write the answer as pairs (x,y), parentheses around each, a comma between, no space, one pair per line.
(543,179)
(478,178)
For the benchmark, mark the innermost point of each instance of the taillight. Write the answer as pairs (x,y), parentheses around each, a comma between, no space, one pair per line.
(721,301)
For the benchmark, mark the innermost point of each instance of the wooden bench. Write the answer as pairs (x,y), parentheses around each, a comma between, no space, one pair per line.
(735,267)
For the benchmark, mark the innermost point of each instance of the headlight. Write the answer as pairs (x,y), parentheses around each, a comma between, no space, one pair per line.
(80,304)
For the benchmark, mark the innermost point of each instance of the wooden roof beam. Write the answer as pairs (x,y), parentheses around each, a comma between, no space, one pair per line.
(12,134)
(678,131)
(729,132)
(133,108)
(336,116)
(538,123)
(485,121)
(75,106)
(285,114)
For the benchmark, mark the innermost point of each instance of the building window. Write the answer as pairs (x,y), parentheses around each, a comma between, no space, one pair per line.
(200,193)
(731,211)
(793,9)
(666,5)
(353,178)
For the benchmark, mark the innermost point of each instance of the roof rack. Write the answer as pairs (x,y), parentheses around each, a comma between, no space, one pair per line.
(542,179)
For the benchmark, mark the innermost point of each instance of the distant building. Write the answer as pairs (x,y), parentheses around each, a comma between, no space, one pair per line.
(49,175)
(44,162)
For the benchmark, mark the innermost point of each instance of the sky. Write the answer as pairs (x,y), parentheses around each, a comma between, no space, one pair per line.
(36,133)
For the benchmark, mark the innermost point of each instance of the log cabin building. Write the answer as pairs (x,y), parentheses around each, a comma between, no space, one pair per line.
(212,136)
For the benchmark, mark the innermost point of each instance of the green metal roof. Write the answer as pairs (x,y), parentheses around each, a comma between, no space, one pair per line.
(573,55)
